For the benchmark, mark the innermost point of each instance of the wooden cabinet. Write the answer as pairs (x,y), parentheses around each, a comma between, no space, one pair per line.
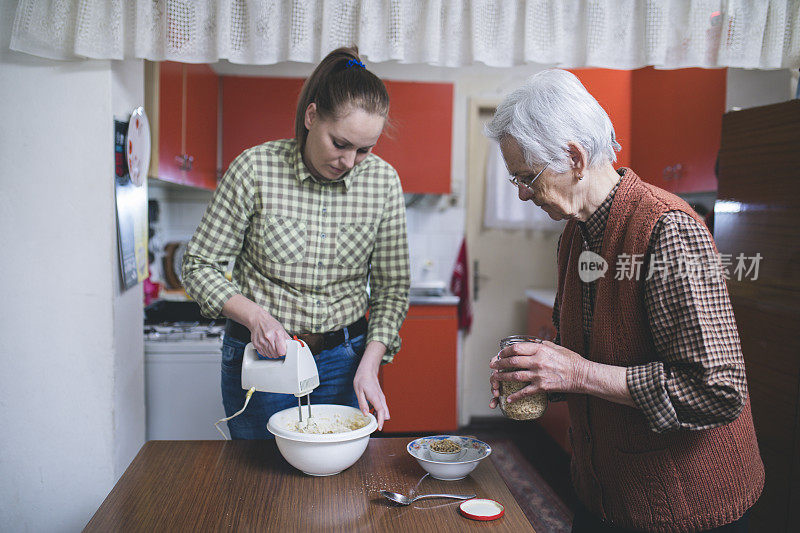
(420,385)
(182,104)
(757,213)
(676,127)
(417,141)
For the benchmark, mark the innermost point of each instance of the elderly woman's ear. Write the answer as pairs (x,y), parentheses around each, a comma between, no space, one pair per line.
(578,159)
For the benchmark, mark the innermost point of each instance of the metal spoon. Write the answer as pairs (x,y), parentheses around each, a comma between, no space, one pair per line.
(405,500)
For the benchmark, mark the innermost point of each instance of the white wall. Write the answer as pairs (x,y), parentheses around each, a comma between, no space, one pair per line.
(70,342)
(127,93)
(752,88)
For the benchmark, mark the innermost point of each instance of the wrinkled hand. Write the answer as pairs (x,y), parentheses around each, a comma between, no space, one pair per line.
(368,392)
(268,335)
(547,366)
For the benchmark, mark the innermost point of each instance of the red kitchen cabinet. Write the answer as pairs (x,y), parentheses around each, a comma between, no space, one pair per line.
(612,89)
(540,320)
(182,104)
(166,120)
(256,110)
(667,121)
(202,103)
(677,125)
(417,142)
(420,385)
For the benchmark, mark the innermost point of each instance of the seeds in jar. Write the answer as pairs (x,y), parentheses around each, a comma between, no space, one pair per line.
(444,446)
(524,409)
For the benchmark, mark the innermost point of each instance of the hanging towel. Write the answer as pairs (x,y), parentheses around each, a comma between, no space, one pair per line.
(503,209)
(459,285)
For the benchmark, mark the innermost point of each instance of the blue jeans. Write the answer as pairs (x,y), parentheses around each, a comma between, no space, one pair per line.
(336,366)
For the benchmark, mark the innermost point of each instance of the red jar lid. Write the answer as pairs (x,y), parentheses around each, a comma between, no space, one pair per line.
(481,509)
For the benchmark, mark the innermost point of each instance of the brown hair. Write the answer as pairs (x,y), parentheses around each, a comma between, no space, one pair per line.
(338,81)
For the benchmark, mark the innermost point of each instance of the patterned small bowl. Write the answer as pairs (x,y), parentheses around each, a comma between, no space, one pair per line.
(449,456)
(473,451)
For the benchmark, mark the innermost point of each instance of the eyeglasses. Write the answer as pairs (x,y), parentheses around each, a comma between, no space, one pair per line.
(527,184)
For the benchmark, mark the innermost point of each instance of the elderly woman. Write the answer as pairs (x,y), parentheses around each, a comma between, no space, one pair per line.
(661,430)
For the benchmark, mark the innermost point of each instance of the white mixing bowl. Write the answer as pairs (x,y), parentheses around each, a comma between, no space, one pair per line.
(320,454)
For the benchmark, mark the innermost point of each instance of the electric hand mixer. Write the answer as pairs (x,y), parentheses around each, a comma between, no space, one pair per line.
(294,374)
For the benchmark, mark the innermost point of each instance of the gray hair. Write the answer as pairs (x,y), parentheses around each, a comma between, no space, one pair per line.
(551,109)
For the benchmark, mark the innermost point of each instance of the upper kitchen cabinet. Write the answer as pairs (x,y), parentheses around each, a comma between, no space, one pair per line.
(419,138)
(612,89)
(677,124)
(256,110)
(417,142)
(182,102)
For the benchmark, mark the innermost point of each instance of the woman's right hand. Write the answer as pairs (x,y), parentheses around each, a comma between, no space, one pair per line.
(267,334)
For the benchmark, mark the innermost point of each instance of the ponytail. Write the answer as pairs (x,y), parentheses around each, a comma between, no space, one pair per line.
(338,81)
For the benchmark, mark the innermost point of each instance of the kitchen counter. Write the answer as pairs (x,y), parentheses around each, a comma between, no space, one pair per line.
(248,486)
(544,296)
(414,299)
(431,293)
(448,299)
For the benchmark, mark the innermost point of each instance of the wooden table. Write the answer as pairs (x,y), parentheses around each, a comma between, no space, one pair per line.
(248,486)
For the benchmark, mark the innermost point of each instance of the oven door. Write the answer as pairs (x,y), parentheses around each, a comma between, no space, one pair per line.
(182,389)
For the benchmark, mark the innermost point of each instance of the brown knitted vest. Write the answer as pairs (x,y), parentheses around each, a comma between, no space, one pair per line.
(622,471)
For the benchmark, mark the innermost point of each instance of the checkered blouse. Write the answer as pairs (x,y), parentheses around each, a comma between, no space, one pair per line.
(305,249)
(698,380)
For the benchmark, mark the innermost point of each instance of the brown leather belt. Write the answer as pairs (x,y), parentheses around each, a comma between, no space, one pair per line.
(317,342)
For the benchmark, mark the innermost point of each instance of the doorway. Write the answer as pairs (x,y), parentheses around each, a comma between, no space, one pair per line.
(503,264)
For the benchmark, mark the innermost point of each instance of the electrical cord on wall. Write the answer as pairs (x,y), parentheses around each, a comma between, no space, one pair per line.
(237,413)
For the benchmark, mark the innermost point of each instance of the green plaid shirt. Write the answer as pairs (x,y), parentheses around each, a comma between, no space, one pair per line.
(305,249)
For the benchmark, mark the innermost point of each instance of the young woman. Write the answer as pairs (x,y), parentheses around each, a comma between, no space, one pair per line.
(309,221)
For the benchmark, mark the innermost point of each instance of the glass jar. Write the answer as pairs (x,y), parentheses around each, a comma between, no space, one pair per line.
(527,408)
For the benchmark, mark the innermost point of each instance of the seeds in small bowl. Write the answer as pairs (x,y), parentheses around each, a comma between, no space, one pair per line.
(472,452)
(445,450)
(445,446)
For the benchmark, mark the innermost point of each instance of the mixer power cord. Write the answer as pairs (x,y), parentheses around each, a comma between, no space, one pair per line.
(237,413)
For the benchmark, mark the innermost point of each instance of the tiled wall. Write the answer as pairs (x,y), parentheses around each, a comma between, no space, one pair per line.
(435,229)
(435,232)
(180,211)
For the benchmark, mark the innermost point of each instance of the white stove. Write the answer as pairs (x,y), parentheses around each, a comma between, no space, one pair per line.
(181,331)
(182,380)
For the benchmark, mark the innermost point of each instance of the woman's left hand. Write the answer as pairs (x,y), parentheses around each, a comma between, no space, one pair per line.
(366,384)
(547,366)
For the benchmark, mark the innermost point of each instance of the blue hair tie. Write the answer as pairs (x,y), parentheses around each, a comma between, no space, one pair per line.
(355,62)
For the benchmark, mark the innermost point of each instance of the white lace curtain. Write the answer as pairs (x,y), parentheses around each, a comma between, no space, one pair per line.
(621,34)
